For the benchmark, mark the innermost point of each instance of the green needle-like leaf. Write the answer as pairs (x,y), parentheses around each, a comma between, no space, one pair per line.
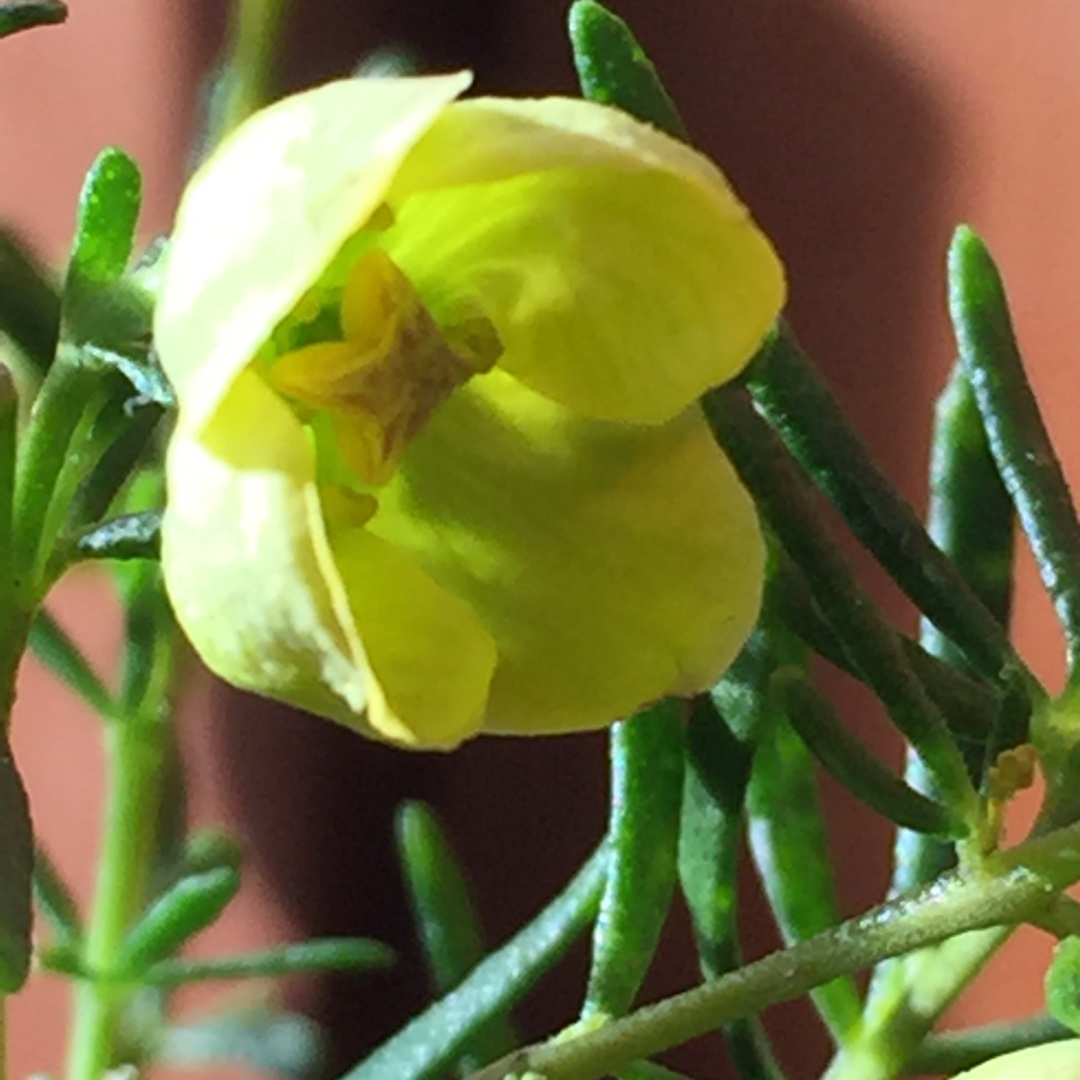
(971,519)
(431,1042)
(614,69)
(643,835)
(16,871)
(718,769)
(1014,427)
(29,304)
(786,826)
(306,958)
(800,406)
(786,502)
(848,760)
(51,644)
(188,906)
(16,15)
(55,902)
(108,212)
(446,920)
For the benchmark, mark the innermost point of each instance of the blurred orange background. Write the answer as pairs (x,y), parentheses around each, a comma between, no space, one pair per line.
(859,132)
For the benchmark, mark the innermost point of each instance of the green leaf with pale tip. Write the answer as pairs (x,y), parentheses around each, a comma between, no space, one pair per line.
(16,15)
(16,872)
(108,211)
(130,536)
(614,69)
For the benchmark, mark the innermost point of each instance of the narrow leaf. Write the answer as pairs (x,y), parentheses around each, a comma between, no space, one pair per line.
(16,15)
(643,834)
(431,1042)
(55,902)
(29,304)
(446,920)
(717,772)
(786,501)
(613,68)
(51,644)
(790,850)
(306,958)
(188,906)
(849,762)
(108,212)
(799,404)
(1014,427)
(971,518)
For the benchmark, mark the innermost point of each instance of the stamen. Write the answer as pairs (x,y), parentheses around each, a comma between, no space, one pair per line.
(394,368)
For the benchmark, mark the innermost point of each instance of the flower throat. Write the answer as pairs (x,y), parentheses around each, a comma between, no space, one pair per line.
(395,365)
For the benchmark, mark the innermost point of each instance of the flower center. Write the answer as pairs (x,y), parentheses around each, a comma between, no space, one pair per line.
(395,366)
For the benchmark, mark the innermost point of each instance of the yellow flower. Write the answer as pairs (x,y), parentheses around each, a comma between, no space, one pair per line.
(438,466)
(1053,1061)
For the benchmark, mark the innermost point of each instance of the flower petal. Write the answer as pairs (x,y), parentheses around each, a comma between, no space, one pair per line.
(612,563)
(432,658)
(346,626)
(621,272)
(246,561)
(262,219)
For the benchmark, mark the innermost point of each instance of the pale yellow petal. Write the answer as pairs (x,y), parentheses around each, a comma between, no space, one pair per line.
(431,658)
(622,274)
(246,561)
(263,217)
(612,563)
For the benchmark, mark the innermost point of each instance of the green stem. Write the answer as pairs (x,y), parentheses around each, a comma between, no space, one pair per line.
(955,1051)
(949,908)
(136,754)
(904,1007)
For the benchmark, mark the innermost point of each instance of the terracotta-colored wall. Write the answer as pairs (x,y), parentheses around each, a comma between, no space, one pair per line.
(858,130)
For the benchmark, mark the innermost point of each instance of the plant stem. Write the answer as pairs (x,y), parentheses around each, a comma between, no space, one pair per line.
(1014,886)
(957,1050)
(136,754)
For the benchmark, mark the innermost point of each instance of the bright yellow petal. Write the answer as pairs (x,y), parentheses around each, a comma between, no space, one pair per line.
(622,274)
(432,659)
(264,216)
(612,563)
(246,561)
